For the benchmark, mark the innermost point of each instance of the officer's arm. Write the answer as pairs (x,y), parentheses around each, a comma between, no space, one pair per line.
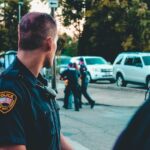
(13,147)
(62,75)
(64,144)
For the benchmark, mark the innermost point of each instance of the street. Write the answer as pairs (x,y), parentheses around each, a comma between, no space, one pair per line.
(70,43)
(99,128)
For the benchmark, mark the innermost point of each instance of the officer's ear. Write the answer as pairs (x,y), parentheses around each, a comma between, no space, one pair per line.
(48,43)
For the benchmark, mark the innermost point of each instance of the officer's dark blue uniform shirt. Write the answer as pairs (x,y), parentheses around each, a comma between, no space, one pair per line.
(84,73)
(28,110)
(72,75)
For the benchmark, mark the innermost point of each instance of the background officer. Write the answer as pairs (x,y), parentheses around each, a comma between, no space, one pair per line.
(29,117)
(84,83)
(67,99)
(72,75)
(74,65)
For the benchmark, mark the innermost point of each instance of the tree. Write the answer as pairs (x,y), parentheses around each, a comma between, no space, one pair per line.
(9,23)
(66,46)
(114,26)
(72,13)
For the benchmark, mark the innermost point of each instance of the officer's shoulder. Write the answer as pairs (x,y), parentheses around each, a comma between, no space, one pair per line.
(65,71)
(9,74)
(9,81)
(12,91)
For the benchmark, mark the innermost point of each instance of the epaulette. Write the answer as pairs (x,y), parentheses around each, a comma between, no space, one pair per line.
(51,92)
(10,74)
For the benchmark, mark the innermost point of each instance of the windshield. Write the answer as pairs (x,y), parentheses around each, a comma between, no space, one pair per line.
(65,61)
(146,60)
(95,61)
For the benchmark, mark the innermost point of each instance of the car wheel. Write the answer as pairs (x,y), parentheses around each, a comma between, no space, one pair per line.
(148,83)
(120,81)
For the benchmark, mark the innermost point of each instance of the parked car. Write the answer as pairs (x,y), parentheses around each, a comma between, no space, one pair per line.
(9,57)
(98,68)
(6,58)
(132,67)
(62,63)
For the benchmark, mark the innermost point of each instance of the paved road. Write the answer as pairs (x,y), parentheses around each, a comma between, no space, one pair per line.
(109,94)
(98,129)
(95,129)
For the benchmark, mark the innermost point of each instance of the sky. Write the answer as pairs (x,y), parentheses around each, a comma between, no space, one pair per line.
(37,5)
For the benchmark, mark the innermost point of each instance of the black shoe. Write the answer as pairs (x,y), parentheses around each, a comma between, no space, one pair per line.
(65,107)
(76,109)
(92,104)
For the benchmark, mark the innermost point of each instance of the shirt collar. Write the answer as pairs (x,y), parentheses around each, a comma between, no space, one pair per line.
(23,70)
(42,80)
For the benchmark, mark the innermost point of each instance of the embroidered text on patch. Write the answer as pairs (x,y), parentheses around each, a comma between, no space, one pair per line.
(7,101)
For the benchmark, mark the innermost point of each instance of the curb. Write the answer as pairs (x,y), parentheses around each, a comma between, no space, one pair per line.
(117,88)
(103,86)
(113,88)
(102,104)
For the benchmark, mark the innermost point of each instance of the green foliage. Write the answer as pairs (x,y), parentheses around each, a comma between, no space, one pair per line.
(9,23)
(111,26)
(67,46)
(71,49)
(75,10)
(3,38)
(114,26)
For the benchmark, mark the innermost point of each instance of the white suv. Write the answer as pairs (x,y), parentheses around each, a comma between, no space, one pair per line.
(98,68)
(132,67)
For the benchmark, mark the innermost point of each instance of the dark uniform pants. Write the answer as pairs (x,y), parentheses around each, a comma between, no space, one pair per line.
(75,92)
(85,93)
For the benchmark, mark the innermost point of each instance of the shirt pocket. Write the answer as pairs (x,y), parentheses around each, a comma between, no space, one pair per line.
(49,122)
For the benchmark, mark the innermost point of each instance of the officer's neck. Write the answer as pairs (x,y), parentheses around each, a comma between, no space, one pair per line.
(33,60)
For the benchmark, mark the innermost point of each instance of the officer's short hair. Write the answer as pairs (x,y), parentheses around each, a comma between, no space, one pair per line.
(81,59)
(70,64)
(34,28)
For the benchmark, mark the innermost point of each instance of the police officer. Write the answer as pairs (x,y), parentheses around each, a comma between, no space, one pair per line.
(84,82)
(29,114)
(72,75)
(68,99)
(79,83)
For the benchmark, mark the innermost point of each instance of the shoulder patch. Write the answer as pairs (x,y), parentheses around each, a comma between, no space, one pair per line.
(7,101)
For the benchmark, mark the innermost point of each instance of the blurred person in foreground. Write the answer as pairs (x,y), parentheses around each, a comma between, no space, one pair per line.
(29,113)
(136,136)
(85,82)
(72,75)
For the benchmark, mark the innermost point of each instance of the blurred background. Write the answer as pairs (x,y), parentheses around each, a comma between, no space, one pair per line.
(86,27)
